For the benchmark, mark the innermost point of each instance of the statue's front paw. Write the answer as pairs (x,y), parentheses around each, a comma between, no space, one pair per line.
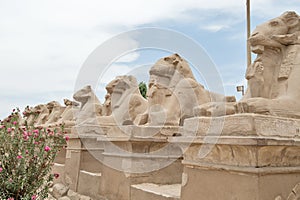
(253,105)
(214,109)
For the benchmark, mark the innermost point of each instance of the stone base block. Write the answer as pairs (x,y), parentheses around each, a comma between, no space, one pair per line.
(242,125)
(254,157)
(116,184)
(60,170)
(211,184)
(150,191)
(89,183)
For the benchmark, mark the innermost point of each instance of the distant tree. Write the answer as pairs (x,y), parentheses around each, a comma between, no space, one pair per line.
(143,89)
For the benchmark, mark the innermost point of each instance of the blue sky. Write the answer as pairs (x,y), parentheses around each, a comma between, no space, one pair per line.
(43,44)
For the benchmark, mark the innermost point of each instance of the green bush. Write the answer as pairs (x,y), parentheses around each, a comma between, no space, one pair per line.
(143,89)
(26,157)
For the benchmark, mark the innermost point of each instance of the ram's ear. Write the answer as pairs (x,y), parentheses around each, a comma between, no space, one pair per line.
(287,39)
(291,19)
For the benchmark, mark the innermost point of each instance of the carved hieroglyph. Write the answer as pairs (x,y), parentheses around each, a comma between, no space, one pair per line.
(294,195)
(273,78)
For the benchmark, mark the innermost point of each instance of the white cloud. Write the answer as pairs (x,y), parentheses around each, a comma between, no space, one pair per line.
(113,71)
(130,57)
(215,28)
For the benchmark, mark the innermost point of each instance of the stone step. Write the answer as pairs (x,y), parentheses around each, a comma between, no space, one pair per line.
(60,170)
(89,183)
(150,191)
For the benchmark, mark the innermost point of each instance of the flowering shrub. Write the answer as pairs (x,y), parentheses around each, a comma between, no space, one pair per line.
(26,157)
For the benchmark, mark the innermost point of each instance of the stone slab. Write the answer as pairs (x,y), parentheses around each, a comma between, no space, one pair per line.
(242,124)
(152,191)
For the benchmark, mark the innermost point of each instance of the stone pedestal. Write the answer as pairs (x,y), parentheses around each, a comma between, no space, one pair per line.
(134,155)
(73,160)
(83,165)
(254,157)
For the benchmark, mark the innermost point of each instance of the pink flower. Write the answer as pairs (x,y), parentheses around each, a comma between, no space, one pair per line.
(1,169)
(25,137)
(2,126)
(56,175)
(11,198)
(34,197)
(14,123)
(47,148)
(35,131)
(26,151)
(9,130)
(67,138)
(50,133)
(19,157)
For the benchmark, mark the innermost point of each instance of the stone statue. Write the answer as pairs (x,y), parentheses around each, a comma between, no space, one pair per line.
(273,78)
(30,115)
(43,113)
(68,116)
(65,115)
(107,105)
(173,93)
(55,110)
(90,106)
(123,102)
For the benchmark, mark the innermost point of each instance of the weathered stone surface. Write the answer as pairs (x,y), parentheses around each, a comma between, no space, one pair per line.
(212,109)
(242,124)
(294,195)
(50,197)
(89,182)
(59,168)
(82,197)
(142,131)
(60,190)
(260,153)
(152,191)
(73,195)
(64,198)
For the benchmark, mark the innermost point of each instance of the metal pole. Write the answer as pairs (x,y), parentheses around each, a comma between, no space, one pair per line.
(248,34)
